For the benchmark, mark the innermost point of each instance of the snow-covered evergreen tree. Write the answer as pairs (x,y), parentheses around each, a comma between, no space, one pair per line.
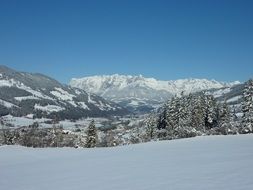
(211,109)
(171,116)
(162,120)
(233,114)
(183,117)
(195,114)
(224,114)
(91,134)
(247,107)
(224,119)
(198,113)
(151,127)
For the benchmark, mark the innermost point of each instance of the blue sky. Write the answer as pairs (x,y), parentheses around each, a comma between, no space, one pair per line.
(163,39)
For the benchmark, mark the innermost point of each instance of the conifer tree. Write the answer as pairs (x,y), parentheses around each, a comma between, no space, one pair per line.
(198,113)
(91,134)
(182,112)
(171,114)
(224,114)
(211,116)
(162,121)
(151,127)
(247,106)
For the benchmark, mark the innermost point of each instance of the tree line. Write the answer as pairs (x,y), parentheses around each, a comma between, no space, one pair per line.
(181,117)
(200,114)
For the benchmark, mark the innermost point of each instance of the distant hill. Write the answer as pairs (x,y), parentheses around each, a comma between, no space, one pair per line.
(232,95)
(37,95)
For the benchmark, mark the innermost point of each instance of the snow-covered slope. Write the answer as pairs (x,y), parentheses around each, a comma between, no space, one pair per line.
(138,92)
(232,95)
(215,162)
(26,93)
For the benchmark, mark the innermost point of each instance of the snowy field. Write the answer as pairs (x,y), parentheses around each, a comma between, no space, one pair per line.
(201,163)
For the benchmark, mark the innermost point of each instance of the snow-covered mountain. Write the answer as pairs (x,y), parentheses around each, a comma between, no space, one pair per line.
(23,94)
(140,93)
(232,95)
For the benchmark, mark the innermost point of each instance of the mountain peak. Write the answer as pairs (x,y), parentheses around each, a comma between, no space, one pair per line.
(97,83)
(138,90)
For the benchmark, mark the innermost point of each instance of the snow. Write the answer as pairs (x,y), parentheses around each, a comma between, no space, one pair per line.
(5,83)
(21,98)
(134,103)
(66,124)
(221,92)
(8,83)
(239,114)
(24,121)
(99,104)
(215,162)
(29,116)
(36,93)
(7,104)
(234,99)
(90,100)
(78,92)
(100,84)
(83,105)
(82,123)
(48,108)
(109,107)
(33,92)
(118,88)
(12,82)
(103,106)
(62,94)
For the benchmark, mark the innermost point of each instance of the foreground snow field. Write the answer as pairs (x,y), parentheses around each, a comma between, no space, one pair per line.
(215,162)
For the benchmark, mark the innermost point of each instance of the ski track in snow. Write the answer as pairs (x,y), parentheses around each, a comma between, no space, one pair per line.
(214,162)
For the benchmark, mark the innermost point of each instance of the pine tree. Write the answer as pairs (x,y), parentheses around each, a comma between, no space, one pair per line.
(91,134)
(171,116)
(247,106)
(211,109)
(150,127)
(198,113)
(182,112)
(224,114)
(162,121)
(233,114)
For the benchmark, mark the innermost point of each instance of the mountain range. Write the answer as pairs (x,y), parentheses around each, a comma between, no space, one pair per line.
(140,94)
(37,95)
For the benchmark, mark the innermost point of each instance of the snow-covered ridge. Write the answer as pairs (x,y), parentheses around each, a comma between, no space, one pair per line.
(37,94)
(49,108)
(97,84)
(138,90)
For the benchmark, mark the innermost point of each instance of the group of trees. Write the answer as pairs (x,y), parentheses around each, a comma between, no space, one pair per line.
(181,117)
(247,107)
(198,114)
(34,136)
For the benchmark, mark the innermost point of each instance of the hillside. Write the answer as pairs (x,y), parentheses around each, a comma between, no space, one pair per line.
(232,95)
(37,95)
(215,162)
